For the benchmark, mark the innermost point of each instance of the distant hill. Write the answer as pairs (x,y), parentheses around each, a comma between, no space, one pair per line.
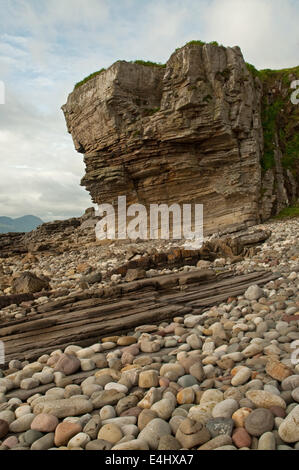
(21,224)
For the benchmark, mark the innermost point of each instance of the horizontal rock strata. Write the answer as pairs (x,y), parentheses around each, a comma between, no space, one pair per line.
(203,129)
(189,133)
(81,319)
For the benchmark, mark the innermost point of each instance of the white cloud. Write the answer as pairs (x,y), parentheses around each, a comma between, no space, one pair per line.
(266,30)
(40,171)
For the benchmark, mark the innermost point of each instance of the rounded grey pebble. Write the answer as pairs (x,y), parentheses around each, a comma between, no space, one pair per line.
(271,389)
(246,403)
(267,441)
(290,383)
(207,383)
(278,439)
(290,407)
(295,394)
(98,444)
(30,436)
(218,426)
(168,442)
(227,448)
(259,421)
(287,396)
(44,443)
(180,412)
(187,381)
(284,447)
(20,447)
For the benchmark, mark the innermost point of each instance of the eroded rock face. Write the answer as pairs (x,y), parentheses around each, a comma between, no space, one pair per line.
(187,133)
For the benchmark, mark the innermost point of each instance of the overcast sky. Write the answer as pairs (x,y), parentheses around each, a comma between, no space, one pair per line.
(46,46)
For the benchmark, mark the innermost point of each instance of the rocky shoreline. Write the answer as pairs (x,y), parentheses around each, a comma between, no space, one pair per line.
(226,378)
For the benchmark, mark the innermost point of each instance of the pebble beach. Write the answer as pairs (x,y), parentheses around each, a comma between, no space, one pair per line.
(226,379)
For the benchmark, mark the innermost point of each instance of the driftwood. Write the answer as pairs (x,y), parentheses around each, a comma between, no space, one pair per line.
(84,321)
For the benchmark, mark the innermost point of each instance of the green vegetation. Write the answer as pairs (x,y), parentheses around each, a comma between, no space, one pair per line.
(199,43)
(283,74)
(148,63)
(269,122)
(291,152)
(150,112)
(137,134)
(225,74)
(279,116)
(86,79)
(252,69)
(207,98)
(195,43)
(140,62)
(269,74)
(288,212)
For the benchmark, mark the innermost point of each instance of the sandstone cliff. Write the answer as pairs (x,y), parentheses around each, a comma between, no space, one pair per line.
(188,132)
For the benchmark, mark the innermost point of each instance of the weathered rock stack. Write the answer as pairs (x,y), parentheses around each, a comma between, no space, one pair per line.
(187,132)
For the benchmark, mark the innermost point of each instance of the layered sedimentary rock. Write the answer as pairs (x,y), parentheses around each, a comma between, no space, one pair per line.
(56,236)
(189,132)
(86,317)
(205,128)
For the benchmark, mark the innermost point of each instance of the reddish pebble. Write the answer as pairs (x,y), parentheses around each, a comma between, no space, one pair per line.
(132,412)
(53,360)
(278,411)
(127,358)
(169,329)
(164,382)
(65,431)
(4,428)
(10,442)
(133,349)
(289,318)
(68,364)
(241,438)
(44,423)
(161,333)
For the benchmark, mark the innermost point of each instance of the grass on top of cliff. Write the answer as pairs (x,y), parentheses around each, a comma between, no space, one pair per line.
(86,79)
(199,43)
(140,62)
(148,63)
(288,212)
(283,74)
(269,74)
